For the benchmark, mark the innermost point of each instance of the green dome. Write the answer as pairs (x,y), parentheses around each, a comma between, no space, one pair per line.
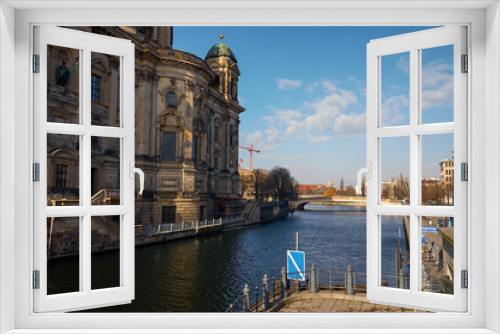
(221,50)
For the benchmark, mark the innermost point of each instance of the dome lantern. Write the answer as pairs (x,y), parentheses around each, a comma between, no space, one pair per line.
(221,50)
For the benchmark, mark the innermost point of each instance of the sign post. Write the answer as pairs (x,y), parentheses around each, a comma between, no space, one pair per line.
(296,265)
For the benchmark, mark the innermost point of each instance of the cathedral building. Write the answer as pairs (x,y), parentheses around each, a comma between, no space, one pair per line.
(186,118)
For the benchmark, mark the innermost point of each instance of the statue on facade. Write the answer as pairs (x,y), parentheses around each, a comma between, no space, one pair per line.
(62,73)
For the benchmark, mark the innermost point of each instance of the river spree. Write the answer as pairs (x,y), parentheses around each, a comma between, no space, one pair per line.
(206,274)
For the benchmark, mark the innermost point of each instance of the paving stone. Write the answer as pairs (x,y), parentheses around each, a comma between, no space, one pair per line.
(340,306)
(395,309)
(353,306)
(316,302)
(329,302)
(367,307)
(336,302)
(382,308)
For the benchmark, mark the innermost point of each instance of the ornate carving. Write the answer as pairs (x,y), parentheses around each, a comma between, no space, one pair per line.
(198,127)
(62,76)
(189,84)
(170,120)
(144,76)
(114,62)
(180,97)
(224,116)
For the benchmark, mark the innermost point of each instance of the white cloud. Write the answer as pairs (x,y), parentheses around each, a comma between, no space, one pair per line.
(352,124)
(311,87)
(286,121)
(394,109)
(329,107)
(320,139)
(329,87)
(273,135)
(437,84)
(288,84)
(258,140)
(403,63)
(317,122)
(293,157)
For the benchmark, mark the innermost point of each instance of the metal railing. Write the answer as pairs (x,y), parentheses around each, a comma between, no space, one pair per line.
(148,230)
(437,283)
(262,297)
(105,196)
(231,218)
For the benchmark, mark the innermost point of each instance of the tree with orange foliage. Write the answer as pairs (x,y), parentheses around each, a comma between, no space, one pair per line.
(330,192)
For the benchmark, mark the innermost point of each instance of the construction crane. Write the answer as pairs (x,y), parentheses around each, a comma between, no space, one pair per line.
(251,150)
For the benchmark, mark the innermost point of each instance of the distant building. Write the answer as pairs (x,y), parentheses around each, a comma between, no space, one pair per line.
(396,189)
(247,183)
(312,189)
(447,234)
(447,171)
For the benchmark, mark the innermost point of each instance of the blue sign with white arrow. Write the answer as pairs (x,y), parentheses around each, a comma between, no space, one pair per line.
(296,265)
(429,229)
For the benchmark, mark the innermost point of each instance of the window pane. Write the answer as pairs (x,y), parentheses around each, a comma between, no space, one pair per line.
(63,170)
(195,148)
(438,171)
(168,146)
(437,254)
(105,172)
(437,84)
(105,90)
(395,171)
(105,252)
(63,84)
(395,89)
(169,214)
(63,250)
(395,252)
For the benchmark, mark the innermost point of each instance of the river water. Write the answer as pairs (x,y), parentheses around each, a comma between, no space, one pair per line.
(206,274)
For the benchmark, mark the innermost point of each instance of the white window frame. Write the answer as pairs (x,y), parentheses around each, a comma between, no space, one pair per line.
(483,20)
(413,43)
(124,50)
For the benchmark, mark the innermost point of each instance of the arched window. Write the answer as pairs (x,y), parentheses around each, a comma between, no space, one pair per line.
(216,83)
(217,134)
(168,145)
(195,149)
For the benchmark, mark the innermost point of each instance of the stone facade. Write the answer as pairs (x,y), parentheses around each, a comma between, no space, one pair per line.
(187,121)
(447,167)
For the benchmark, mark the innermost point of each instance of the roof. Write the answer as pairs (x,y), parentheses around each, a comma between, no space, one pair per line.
(221,50)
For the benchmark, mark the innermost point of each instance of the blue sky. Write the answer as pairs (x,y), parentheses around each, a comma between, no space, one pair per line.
(304,92)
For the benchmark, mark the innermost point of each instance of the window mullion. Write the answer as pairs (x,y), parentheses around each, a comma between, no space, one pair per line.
(415,159)
(85,151)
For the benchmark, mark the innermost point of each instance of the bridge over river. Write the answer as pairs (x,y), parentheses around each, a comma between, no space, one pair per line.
(300,203)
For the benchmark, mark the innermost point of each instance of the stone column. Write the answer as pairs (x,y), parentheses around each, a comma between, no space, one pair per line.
(151,115)
(140,110)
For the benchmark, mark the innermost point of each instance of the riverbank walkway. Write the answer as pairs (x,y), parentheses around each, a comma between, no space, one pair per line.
(335,301)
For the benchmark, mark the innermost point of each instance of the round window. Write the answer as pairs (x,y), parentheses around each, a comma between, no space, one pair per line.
(171,100)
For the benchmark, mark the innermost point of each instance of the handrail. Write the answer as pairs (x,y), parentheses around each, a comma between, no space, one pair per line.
(348,281)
